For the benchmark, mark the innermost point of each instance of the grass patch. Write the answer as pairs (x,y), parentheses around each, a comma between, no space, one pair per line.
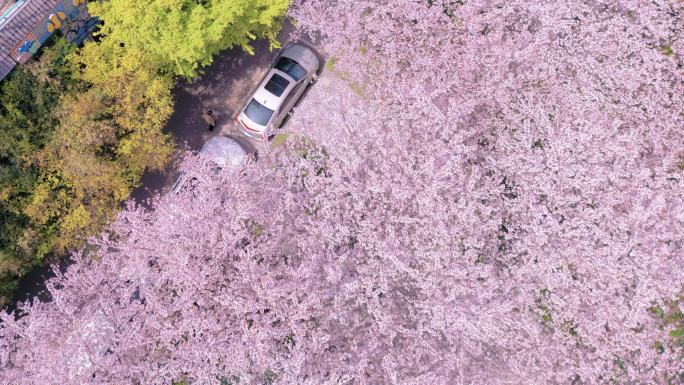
(330,64)
(544,292)
(358,88)
(669,318)
(279,140)
(570,327)
(255,229)
(269,377)
(307,149)
(544,311)
(666,50)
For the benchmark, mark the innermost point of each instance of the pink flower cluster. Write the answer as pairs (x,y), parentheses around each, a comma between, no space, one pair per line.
(489,192)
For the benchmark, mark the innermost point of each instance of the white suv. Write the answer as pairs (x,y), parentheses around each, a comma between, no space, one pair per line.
(294,69)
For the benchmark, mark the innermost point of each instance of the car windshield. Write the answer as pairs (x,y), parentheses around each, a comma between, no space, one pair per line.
(258,113)
(291,68)
(276,85)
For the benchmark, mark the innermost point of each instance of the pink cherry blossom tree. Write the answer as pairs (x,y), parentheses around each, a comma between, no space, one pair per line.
(475,192)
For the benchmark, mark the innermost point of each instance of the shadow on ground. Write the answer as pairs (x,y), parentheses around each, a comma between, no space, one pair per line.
(222,88)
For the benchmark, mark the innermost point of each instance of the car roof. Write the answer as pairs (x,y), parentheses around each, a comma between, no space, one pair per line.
(223,150)
(265,97)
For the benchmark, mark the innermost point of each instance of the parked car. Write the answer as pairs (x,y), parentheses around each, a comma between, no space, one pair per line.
(223,151)
(292,72)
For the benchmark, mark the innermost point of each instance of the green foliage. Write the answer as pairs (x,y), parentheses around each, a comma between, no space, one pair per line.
(256,229)
(570,328)
(289,340)
(659,347)
(27,122)
(269,377)
(669,317)
(183,35)
(545,292)
(657,311)
(544,311)
(51,65)
(330,64)
(79,127)
(279,140)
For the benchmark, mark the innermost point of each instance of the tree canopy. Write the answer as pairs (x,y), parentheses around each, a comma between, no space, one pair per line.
(79,127)
(181,36)
(486,194)
(27,122)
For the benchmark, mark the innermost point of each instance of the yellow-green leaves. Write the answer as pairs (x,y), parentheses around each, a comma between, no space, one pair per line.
(181,36)
(79,128)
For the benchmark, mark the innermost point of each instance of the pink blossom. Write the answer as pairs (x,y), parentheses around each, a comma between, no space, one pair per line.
(490,193)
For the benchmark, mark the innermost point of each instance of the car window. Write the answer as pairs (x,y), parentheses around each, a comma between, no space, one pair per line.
(277,84)
(291,68)
(258,113)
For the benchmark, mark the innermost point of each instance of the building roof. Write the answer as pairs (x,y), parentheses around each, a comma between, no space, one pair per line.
(6,65)
(16,22)
(5,5)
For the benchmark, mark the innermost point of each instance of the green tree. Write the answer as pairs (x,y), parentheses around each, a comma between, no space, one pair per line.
(27,122)
(79,127)
(184,35)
